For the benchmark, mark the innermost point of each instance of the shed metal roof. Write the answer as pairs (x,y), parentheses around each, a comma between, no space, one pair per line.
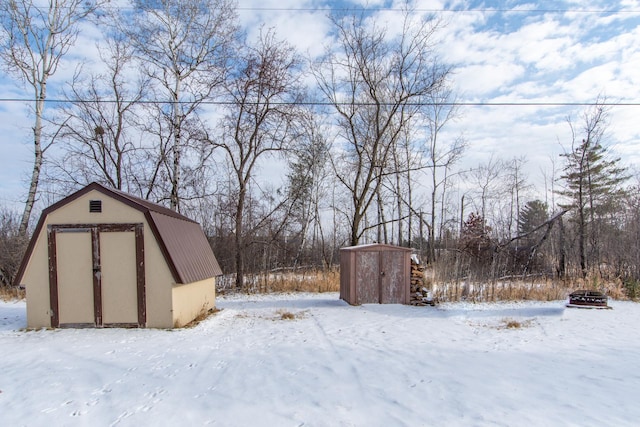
(376,247)
(182,241)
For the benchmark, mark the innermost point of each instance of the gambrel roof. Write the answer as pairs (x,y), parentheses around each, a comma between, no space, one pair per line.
(183,243)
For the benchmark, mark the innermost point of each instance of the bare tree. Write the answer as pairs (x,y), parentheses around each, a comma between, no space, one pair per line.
(441,156)
(260,121)
(307,181)
(34,39)
(185,48)
(375,83)
(487,180)
(406,157)
(98,133)
(515,186)
(628,244)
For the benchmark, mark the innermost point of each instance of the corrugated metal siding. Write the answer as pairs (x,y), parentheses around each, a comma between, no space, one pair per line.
(187,247)
(345,272)
(367,277)
(375,273)
(393,287)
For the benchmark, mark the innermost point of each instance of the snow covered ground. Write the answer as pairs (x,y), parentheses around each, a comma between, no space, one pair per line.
(331,365)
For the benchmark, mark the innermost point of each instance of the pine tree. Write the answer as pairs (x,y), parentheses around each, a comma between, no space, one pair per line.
(593,184)
(533,214)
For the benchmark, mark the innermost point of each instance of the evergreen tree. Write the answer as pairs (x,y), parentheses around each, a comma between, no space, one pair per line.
(533,214)
(593,184)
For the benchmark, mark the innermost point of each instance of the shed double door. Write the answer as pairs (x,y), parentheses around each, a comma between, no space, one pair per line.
(380,277)
(96,275)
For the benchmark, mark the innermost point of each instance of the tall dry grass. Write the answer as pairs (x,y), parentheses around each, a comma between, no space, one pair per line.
(315,281)
(523,290)
(532,289)
(11,293)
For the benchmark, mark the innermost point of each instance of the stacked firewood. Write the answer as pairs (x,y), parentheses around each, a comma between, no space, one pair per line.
(420,294)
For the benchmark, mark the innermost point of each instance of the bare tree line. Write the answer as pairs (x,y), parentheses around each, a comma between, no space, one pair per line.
(351,145)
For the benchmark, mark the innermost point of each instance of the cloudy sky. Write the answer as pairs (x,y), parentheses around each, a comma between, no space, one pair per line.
(520,70)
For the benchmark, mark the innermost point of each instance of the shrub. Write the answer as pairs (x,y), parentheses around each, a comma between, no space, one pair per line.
(632,288)
(12,247)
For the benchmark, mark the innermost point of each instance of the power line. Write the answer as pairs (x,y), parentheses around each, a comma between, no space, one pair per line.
(390,9)
(394,9)
(327,103)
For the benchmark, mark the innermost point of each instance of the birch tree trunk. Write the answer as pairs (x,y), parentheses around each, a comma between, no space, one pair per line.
(33,39)
(37,167)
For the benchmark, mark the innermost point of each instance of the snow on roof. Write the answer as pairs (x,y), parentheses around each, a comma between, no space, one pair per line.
(374,246)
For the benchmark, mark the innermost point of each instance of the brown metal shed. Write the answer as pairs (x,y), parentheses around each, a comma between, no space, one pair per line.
(375,273)
(101,257)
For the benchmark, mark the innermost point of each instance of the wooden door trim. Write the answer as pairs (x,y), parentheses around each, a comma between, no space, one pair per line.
(95,230)
(97,276)
(53,276)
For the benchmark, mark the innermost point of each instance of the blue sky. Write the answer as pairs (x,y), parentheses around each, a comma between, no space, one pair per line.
(502,52)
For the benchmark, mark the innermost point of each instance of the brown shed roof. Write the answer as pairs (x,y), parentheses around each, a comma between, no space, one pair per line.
(182,241)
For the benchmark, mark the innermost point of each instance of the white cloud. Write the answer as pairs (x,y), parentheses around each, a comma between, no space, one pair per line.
(587,85)
(300,23)
(499,56)
(479,81)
